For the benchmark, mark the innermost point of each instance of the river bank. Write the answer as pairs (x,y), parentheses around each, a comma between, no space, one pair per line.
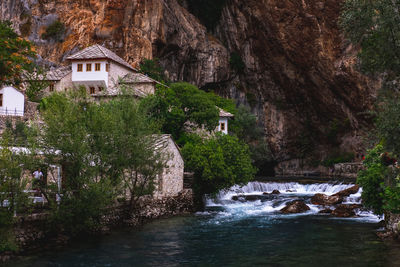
(33,234)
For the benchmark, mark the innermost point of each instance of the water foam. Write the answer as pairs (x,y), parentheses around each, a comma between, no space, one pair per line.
(233,210)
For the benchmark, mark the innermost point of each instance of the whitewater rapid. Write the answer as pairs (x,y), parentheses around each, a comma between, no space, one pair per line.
(223,207)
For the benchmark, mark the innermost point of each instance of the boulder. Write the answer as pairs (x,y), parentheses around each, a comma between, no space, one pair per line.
(321,199)
(347,192)
(345,210)
(325,211)
(247,198)
(252,197)
(296,206)
(265,193)
(275,192)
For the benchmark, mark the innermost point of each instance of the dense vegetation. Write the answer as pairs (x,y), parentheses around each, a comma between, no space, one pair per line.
(16,55)
(54,31)
(374,25)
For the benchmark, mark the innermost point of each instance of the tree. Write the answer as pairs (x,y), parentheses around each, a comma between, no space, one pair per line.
(182,105)
(13,200)
(105,149)
(36,83)
(152,68)
(372,180)
(218,163)
(375,26)
(16,55)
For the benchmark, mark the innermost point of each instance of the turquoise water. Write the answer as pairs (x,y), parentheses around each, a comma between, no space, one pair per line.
(237,233)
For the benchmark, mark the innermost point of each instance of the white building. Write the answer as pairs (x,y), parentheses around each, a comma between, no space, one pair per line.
(101,72)
(12,102)
(224,117)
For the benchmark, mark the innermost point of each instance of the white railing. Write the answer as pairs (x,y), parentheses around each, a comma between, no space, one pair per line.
(11,112)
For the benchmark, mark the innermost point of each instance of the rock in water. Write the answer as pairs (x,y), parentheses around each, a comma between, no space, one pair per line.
(345,211)
(347,192)
(325,211)
(321,199)
(275,192)
(296,206)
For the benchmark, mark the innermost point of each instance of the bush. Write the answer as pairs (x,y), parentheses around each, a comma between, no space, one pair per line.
(372,180)
(218,163)
(236,63)
(338,158)
(55,31)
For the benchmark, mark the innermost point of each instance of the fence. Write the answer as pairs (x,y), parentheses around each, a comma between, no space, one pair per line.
(11,112)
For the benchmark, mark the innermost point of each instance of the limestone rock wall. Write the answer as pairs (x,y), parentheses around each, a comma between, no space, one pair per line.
(299,75)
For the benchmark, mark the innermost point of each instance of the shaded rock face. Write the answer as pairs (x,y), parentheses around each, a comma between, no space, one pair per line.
(296,206)
(298,73)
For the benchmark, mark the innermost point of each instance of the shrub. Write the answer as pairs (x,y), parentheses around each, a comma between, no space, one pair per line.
(218,163)
(55,31)
(236,62)
(372,180)
(338,158)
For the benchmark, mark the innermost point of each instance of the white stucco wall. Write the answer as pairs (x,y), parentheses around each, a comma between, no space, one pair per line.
(13,102)
(223,120)
(97,78)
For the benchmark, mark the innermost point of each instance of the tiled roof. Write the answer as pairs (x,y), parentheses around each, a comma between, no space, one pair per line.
(97,51)
(137,78)
(223,113)
(58,74)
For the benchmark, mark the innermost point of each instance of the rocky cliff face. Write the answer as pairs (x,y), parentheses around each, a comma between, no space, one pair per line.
(298,75)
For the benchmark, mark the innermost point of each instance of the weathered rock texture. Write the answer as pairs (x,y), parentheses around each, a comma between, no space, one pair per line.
(298,75)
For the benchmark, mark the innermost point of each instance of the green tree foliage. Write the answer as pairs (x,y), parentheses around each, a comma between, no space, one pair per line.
(218,163)
(13,200)
(35,83)
(55,31)
(153,69)
(105,149)
(182,104)
(375,26)
(372,180)
(208,11)
(16,55)
(237,63)
(245,127)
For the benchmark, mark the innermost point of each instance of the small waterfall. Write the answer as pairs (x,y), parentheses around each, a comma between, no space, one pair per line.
(255,188)
(255,199)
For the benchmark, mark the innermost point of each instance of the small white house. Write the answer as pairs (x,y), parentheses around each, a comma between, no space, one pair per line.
(224,116)
(101,72)
(12,102)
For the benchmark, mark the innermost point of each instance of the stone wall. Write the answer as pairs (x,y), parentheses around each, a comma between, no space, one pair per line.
(297,168)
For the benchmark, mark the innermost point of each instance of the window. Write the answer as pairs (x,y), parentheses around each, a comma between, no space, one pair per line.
(97,66)
(80,67)
(107,67)
(222,126)
(88,67)
(51,87)
(92,90)
(1,100)
(100,88)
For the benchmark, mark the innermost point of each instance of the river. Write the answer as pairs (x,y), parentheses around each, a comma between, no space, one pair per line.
(239,233)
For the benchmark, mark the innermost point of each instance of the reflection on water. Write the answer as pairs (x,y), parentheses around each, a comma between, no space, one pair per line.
(235,233)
